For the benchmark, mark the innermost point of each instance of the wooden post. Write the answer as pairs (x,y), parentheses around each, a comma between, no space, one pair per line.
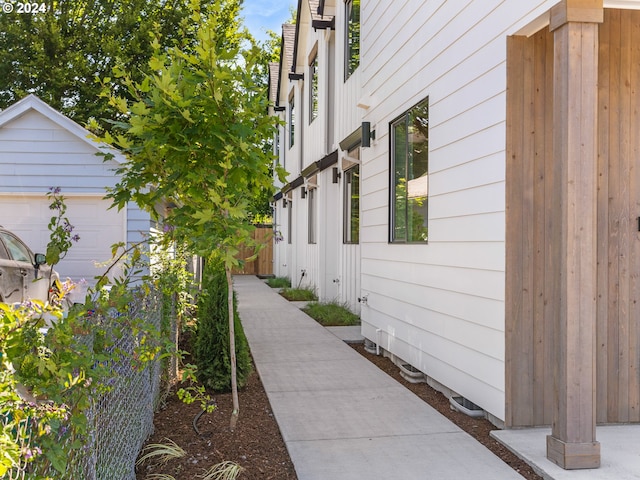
(572,443)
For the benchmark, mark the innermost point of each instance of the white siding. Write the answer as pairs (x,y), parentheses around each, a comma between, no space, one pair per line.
(40,149)
(36,153)
(348,92)
(328,237)
(440,306)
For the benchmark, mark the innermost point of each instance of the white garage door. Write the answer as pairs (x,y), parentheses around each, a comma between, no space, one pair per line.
(98,227)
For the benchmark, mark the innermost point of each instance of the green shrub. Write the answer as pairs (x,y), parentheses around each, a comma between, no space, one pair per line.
(211,350)
(298,294)
(279,282)
(331,314)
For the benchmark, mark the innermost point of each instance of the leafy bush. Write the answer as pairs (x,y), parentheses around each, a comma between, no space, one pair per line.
(279,282)
(298,294)
(211,350)
(331,314)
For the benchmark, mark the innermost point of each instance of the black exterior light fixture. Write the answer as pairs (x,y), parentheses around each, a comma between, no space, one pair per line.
(303,192)
(367,134)
(335,174)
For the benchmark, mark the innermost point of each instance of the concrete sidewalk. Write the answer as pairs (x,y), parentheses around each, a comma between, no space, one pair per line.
(619,447)
(340,416)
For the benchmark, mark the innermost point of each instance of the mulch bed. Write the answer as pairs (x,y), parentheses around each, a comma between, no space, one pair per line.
(255,444)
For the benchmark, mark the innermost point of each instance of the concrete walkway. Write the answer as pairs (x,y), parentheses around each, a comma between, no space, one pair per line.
(340,416)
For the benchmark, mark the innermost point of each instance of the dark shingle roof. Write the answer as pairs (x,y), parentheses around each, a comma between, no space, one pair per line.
(288,41)
(274,79)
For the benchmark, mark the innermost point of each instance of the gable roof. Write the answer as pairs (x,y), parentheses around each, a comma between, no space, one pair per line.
(286,55)
(288,44)
(311,18)
(274,79)
(33,103)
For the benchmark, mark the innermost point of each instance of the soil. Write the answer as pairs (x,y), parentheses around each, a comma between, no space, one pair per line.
(256,443)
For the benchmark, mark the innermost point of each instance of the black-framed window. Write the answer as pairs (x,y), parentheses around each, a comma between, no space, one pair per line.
(289,205)
(410,175)
(312,215)
(292,120)
(351,203)
(313,89)
(352,37)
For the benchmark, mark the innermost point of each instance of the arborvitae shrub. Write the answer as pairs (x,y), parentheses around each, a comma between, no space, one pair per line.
(211,350)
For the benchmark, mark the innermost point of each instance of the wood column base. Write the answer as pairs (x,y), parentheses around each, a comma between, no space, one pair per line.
(573,456)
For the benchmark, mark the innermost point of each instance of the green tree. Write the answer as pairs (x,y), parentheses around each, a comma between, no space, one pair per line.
(57,53)
(211,349)
(195,136)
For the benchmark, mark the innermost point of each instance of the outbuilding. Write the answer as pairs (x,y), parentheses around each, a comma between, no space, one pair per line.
(39,149)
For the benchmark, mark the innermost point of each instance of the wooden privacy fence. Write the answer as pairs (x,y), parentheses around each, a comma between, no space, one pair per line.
(263,265)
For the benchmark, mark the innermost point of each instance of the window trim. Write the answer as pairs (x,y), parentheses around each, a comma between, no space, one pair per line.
(312,214)
(292,118)
(289,221)
(392,185)
(314,87)
(347,207)
(348,51)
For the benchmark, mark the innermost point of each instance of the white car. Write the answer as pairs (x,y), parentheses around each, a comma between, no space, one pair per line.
(23,274)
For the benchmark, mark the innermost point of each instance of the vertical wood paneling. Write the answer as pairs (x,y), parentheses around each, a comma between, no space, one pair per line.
(531,210)
(612,232)
(623,214)
(263,264)
(634,202)
(531,311)
(516,391)
(619,81)
(602,331)
(552,258)
(545,254)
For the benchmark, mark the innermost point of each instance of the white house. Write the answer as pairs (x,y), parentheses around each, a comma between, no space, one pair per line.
(314,250)
(475,176)
(41,148)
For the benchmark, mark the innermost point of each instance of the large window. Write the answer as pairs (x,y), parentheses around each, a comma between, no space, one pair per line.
(351,214)
(289,205)
(292,120)
(352,37)
(311,200)
(410,175)
(313,89)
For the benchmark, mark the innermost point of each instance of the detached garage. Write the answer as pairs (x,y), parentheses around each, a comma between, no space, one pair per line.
(41,148)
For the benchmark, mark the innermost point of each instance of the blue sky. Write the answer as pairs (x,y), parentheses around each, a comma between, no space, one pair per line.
(262,15)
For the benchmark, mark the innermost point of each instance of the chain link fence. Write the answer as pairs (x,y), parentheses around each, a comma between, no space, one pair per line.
(120,420)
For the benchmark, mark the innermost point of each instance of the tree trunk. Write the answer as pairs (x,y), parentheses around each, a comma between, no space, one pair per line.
(232,348)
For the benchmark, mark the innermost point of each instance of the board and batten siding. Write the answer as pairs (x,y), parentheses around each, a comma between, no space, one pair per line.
(329,236)
(440,306)
(347,118)
(315,131)
(347,92)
